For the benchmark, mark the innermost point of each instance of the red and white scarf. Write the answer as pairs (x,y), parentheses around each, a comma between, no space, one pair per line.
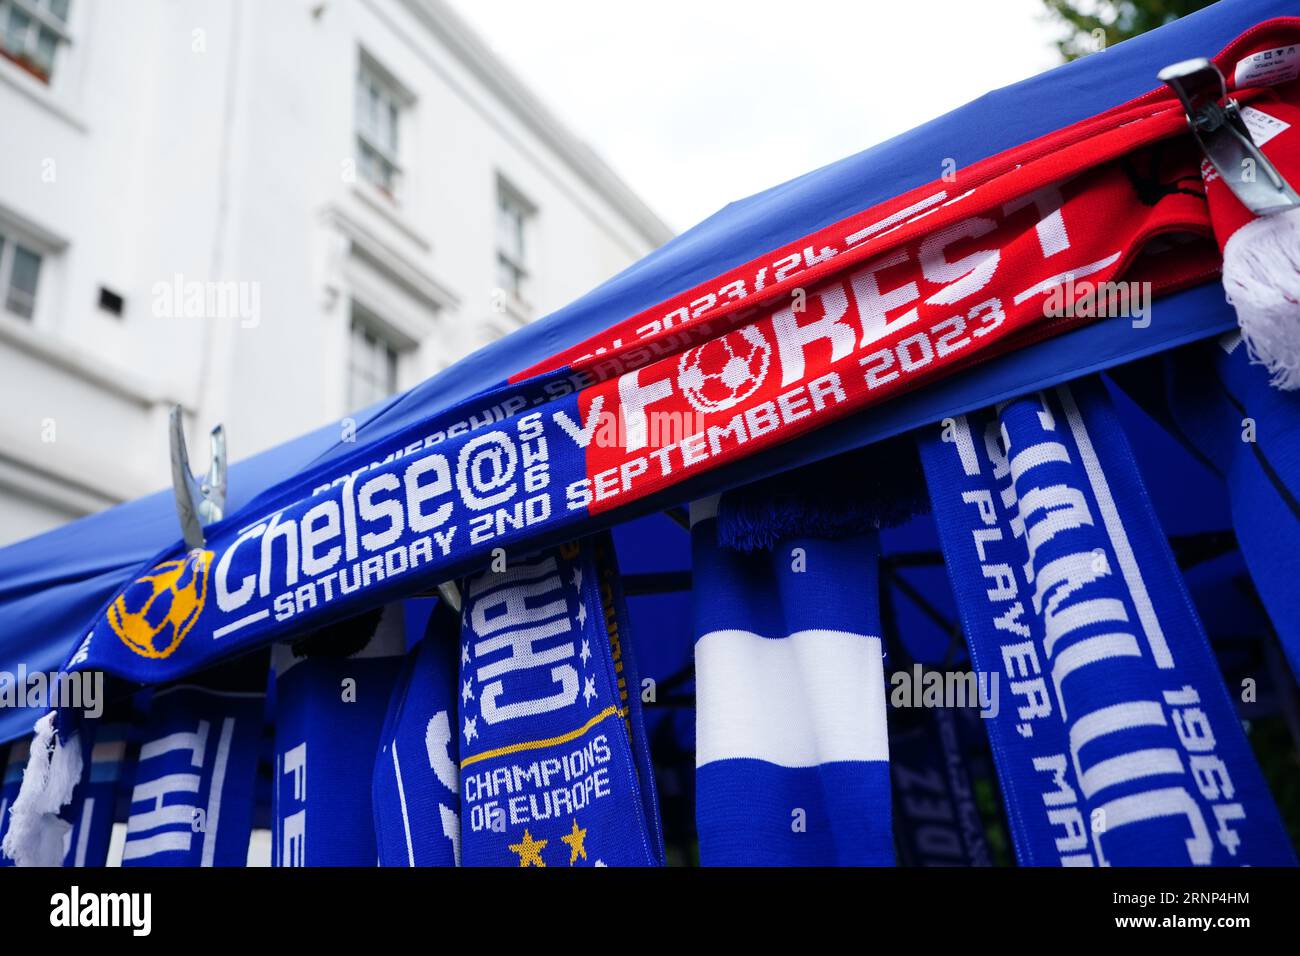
(948,275)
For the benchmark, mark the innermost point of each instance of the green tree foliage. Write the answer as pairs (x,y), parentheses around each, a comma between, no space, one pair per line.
(1094,25)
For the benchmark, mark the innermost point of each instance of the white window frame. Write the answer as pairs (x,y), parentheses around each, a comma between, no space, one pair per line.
(11,240)
(39,16)
(516,261)
(398,347)
(401,100)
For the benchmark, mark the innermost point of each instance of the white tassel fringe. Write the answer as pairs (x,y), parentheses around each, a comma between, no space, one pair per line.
(36,835)
(1261,274)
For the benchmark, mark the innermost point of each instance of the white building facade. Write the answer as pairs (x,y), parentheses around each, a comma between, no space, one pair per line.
(272,212)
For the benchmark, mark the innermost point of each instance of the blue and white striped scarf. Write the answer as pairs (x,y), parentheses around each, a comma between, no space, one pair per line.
(94,803)
(192,793)
(1119,744)
(792,754)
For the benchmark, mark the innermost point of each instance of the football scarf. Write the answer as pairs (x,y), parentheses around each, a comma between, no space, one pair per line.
(938,754)
(672,739)
(554,766)
(1219,403)
(1261,254)
(791,745)
(94,803)
(883,302)
(1116,742)
(192,792)
(936,819)
(331,697)
(416,789)
(15,762)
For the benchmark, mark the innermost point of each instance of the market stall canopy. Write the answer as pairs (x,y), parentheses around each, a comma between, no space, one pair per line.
(53,587)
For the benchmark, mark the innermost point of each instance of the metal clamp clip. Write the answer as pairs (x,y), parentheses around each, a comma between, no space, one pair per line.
(1225,139)
(200,500)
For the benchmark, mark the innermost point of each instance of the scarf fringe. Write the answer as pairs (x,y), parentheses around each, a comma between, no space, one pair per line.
(36,834)
(760,525)
(851,494)
(1261,275)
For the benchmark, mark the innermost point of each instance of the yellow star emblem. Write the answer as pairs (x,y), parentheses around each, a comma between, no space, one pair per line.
(530,850)
(575,841)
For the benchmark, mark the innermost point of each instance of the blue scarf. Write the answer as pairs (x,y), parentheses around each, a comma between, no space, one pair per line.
(15,763)
(1220,403)
(791,746)
(192,793)
(331,697)
(95,800)
(1116,742)
(555,770)
(416,783)
(937,819)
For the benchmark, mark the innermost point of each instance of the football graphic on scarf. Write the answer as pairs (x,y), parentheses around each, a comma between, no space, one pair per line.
(154,614)
(724,372)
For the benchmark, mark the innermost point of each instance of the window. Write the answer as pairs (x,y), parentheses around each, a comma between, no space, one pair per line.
(372,363)
(20,269)
(379,109)
(513,213)
(31,32)
(111,302)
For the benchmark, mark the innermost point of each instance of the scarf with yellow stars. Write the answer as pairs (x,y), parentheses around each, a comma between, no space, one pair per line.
(554,766)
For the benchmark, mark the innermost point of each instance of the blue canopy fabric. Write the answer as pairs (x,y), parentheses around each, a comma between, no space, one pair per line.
(53,586)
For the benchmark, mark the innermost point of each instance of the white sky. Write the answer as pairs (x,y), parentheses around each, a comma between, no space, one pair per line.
(699,102)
